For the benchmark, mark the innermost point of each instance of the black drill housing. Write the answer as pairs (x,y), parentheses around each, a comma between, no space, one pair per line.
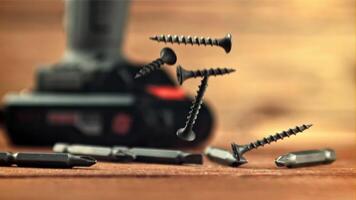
(91,97)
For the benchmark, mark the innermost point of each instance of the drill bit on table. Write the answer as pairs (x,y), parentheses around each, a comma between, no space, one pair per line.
(118,154)
(124,154)
(306,158)
(221,156)
(45,160)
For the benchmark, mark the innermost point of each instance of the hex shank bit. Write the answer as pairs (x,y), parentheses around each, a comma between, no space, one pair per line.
(221,156)
(116,154)
(306,158)
(124,154)
(166,156)
(45,160)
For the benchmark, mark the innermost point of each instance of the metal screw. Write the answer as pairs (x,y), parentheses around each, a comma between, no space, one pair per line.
(225,42)
(239,150)
(183,74)
(167,56)
(187,133)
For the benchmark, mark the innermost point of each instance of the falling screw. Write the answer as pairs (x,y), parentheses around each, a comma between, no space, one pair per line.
(225,42)
(187,133)
(183,74)
(239,150)
(167,56)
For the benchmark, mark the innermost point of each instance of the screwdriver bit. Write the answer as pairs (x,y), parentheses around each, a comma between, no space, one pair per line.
(221,156)
(306,158)
(124,154)
(119,153)
(166,156)
(45,160)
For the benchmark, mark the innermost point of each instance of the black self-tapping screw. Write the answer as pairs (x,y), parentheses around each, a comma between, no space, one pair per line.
(225,42)
(183,74)
(239,150)
(167,56)
(187,133)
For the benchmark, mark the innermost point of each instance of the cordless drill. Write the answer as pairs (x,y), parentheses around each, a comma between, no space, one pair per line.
(91,97)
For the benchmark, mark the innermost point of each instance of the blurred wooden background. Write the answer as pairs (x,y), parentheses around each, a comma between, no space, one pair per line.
(295,59)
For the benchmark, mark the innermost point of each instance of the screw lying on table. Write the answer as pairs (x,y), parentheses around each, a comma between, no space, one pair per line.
(187,133)
(225,42)
(183,74)
(239,150)
(167,56)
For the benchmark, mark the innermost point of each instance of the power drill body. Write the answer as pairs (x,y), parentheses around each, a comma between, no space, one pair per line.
(90,95)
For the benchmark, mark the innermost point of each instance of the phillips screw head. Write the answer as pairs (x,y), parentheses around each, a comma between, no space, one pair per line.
(168,56)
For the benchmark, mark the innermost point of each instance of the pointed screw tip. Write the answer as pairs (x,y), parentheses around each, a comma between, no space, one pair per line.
(309,125)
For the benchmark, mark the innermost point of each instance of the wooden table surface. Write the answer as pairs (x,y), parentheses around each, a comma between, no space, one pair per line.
(295,64)
(259,178)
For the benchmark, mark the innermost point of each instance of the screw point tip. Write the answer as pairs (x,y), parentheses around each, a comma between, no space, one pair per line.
(309,125)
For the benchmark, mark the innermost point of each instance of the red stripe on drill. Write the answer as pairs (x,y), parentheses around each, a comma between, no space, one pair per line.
(166,92)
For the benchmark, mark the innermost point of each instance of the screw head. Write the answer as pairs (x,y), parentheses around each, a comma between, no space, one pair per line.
(168,56)
(226,43)
(179,75)
(237,151)
(185,134)
(182,74)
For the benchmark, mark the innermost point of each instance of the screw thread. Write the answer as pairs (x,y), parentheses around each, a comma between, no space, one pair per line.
(277,136)
(186,40)
(146,69)
(211,71)
(194,109)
